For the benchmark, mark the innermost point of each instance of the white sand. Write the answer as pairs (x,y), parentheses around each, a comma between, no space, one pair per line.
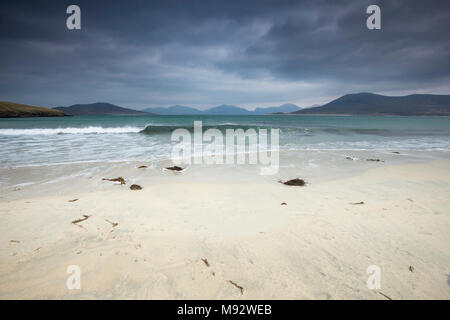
(318,246)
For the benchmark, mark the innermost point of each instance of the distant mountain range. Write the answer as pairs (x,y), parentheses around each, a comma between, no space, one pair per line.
(283,108)
(173,110)
(358,103)
(221,110)
(16,110)
(99,108)
(375,104)
(102,108)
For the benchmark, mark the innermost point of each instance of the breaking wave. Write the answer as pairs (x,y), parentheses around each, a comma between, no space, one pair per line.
(73,130)
(161,129)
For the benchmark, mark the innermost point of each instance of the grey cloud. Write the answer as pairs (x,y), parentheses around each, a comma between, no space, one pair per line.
(203,53)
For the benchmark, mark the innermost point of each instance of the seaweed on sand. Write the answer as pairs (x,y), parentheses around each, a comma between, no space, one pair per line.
(294,182)
(119,179)
(135,187)
(174,168)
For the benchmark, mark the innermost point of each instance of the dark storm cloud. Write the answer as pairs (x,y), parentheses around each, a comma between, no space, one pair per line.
(147,53)
(331,44)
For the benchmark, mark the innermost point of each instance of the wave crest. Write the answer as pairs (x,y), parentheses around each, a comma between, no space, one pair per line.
(161,129)
(70,130)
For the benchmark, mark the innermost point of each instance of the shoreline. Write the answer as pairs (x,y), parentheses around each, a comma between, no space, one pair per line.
(315,165)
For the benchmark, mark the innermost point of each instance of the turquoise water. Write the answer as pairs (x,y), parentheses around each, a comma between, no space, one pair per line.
(38,141)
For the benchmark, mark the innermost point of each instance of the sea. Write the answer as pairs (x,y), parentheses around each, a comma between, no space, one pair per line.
(75,139)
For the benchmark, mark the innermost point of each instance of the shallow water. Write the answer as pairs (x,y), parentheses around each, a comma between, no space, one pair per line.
(42,141)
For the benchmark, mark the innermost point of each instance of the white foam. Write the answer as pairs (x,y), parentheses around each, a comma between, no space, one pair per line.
(70,130)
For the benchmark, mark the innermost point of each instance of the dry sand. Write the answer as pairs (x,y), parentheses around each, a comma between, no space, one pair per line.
(318,246)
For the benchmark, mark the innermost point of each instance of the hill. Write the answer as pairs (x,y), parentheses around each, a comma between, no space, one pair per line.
(375,104)
(13,110)
(227,110)
(99,108)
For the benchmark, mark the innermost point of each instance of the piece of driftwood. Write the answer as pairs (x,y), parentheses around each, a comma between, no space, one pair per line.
(85,217)
(237,286)
(205,261)
(119,179)
(386,296)
(114,224)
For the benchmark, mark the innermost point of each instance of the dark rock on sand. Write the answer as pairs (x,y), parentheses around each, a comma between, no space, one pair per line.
(174,168)
(295,182)
(142,167)
(135,187)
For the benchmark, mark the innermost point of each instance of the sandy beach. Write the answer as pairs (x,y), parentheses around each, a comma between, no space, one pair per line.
(222,232)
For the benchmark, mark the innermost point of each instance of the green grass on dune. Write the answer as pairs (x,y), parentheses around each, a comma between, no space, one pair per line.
(12,110)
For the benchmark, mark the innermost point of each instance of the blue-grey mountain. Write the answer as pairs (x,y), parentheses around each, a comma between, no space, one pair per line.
(174,110)
(288,107)
(228,110)
(222,110)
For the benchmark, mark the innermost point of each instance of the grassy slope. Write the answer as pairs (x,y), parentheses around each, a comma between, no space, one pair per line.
(11,110)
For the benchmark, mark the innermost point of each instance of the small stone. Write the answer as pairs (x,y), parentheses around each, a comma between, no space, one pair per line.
(295,182)
(174,168)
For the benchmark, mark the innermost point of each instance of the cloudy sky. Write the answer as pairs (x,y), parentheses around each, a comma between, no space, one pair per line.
(205,53)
